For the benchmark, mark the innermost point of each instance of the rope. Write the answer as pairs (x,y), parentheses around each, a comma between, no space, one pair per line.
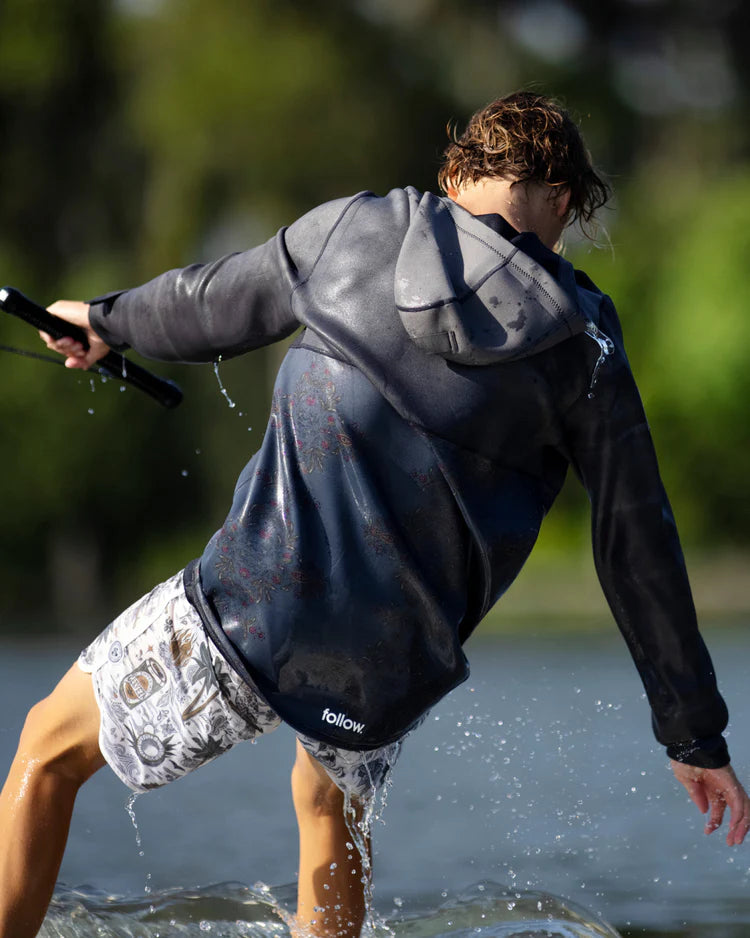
(28,354)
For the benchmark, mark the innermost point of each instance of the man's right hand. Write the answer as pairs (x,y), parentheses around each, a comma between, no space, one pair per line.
(717,789)
(75,355)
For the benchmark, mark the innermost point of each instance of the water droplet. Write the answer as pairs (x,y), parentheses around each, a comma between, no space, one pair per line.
(130,808)
(91,410)
(606,348)
(184,473)
(221,386)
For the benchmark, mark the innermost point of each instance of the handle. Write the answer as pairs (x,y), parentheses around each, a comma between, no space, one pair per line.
(166,392)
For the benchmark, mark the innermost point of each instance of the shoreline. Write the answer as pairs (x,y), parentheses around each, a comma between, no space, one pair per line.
(553,593)
(563,594)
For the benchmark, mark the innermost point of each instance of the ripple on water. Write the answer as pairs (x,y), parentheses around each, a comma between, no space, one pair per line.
(231,910)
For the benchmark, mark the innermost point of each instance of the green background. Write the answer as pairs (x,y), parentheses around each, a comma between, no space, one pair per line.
(143,135)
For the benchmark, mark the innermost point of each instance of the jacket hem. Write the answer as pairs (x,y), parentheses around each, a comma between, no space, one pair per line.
(197,598)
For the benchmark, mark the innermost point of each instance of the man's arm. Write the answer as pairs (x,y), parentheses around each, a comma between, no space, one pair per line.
(220,309)
(642,571)
(194,314)
(205,311)
(641,568)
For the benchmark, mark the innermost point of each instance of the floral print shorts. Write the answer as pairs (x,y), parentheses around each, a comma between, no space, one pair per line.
(169,702)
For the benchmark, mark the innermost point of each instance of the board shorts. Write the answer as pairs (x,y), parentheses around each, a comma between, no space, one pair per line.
(169,702)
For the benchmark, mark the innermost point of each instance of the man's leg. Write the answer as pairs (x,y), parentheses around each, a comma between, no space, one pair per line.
(58,751)
(330,873)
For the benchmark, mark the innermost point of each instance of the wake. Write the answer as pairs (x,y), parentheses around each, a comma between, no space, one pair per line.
(232,910)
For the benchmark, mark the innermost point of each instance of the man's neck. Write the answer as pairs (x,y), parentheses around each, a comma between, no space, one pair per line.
(530,207)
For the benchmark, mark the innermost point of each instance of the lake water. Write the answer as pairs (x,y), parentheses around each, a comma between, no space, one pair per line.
(539,778)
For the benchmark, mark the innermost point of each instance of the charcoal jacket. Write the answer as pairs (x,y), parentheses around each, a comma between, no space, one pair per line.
(448,372)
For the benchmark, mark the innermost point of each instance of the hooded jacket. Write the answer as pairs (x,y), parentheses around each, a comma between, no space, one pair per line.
(448,372)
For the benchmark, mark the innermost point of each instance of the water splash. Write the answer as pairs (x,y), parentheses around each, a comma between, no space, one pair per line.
(130,808)
(359,820)
(232,910)
(228,910)
(221,384)
(606,348)
(496,911)
(360,817)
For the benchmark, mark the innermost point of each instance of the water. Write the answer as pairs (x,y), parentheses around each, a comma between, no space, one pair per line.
(606,348)
(538,777)
(232,909)
(222,389)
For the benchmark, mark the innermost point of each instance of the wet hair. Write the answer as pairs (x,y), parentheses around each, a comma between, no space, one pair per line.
(527,138)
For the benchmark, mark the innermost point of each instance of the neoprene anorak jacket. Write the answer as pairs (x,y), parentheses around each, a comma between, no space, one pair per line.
(448,371)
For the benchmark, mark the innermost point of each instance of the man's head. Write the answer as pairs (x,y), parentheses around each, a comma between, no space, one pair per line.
(526,138)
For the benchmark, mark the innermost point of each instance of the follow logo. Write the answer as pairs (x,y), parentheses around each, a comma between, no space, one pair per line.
(342,720)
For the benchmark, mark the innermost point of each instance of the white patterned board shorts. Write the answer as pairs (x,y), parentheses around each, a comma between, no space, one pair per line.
(169,701)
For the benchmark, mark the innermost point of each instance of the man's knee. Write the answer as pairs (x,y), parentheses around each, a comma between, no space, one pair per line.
(313,790)
(60,734)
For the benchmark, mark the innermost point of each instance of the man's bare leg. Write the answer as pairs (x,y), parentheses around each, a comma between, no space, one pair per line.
(58,751)
(330,873)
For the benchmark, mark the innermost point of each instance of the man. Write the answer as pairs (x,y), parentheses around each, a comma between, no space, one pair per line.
(450,368)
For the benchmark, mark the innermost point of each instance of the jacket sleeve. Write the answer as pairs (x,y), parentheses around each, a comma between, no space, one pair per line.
(640,563)
(224,308)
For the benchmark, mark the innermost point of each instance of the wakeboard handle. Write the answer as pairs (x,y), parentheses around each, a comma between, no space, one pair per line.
(166,392)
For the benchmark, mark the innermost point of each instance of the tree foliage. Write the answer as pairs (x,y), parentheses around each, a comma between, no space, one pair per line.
(144,134)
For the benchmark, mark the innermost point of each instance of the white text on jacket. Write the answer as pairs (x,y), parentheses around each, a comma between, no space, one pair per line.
(342,720)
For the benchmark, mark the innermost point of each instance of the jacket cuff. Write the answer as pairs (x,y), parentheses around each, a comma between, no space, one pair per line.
(709,752)
(99,310)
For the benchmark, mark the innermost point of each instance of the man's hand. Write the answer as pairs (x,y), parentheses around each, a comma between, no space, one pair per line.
(75,354)
(717,789)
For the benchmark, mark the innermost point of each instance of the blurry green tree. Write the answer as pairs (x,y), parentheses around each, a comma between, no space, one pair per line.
(139,135)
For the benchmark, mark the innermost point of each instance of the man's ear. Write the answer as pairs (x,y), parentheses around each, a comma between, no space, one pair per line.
(561,201)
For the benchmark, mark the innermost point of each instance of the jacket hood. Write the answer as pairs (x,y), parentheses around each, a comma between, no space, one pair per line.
(465,292)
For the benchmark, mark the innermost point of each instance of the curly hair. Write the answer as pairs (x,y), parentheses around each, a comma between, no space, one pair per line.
(526,137)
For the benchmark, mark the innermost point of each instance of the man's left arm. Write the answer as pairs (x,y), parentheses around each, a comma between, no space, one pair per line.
(642,572)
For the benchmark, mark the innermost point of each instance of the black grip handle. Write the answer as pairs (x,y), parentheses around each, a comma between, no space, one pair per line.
(166,392)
